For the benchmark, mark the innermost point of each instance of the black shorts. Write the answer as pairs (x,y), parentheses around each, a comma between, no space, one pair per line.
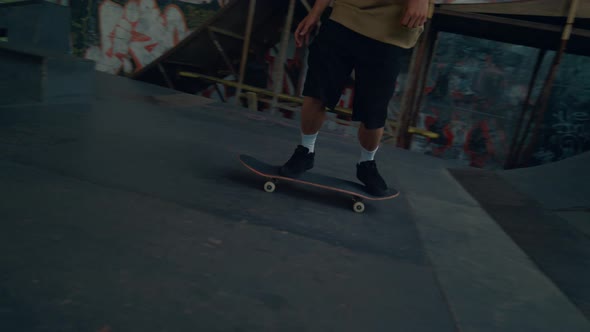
(334,53)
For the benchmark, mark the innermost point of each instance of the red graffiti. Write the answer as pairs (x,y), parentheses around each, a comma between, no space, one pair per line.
(135,34)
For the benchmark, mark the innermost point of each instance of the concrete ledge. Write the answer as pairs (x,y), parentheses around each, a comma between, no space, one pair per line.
(560,250)
(21,76)
(30,74)
(37,24)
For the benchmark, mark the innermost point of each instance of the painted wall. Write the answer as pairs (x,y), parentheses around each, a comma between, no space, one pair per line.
(566,129)
(473,98)
(123,36)
(475,94)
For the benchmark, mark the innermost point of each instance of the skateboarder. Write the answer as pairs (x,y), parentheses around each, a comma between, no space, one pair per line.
(369,37)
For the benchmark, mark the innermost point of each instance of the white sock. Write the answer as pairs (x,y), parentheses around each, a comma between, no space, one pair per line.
(309,141)
(367,155)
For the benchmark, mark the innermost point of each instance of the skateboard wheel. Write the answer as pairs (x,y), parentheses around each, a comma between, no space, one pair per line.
(269,186)
(358,207)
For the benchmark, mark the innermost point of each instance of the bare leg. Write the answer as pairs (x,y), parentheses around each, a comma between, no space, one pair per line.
(369,138)
(313,114)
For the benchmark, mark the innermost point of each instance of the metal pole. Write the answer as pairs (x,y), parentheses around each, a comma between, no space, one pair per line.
(546,93)
(337,110)
(279,70)
(431,40)
(306,5)
(221,51)
(409,97)
(245,48)
(512,156)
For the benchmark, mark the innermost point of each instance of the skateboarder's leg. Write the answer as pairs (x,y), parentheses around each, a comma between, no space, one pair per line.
(329,68)
(313,115)
(376,70)
(369,140)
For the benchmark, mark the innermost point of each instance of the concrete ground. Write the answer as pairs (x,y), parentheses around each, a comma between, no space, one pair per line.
(132,213)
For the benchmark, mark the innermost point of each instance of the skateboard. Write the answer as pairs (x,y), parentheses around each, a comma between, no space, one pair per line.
(355,190)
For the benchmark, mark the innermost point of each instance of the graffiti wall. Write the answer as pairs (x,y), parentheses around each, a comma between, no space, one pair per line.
(565,131)
(123,36)
(475,94)
(473,98)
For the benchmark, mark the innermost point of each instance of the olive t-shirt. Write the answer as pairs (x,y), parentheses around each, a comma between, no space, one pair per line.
(376,19)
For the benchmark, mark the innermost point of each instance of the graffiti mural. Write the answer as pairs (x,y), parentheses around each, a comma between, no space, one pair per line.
(473,96)
(568,135)
(566,129)
(124,36)
(134,35)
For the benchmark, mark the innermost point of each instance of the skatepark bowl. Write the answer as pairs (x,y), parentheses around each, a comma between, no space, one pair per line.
(130,211)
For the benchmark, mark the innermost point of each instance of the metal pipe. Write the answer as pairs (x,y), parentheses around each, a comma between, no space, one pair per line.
(298,100)
(546,93)
(409,98)
(279,70)
(245,48)
(511,159)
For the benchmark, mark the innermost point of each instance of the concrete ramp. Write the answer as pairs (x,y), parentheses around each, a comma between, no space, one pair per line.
(546,211)
(133,213)
(560,185)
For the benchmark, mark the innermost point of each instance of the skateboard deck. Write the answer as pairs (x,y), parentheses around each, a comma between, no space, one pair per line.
(356,190)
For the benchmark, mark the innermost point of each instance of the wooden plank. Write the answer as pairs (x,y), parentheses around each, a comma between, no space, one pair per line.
(511,21)
(501,20)
(225,32)
(535,8)
(510,30)
(306,5)
(165,75)
(252,101)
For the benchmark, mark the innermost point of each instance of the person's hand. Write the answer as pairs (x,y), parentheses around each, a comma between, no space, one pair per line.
(305,28)
(416,13)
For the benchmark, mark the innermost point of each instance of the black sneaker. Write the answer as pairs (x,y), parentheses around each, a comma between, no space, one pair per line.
(367,173)
(300,161)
